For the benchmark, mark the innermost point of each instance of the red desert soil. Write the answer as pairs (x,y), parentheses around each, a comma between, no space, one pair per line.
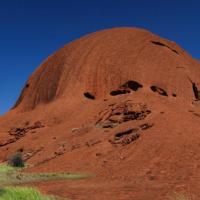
(121,104)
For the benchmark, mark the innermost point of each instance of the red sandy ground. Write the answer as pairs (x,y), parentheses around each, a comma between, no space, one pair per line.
(139,145)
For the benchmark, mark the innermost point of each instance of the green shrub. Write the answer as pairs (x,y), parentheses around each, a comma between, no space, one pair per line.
(16,160)
(22,193)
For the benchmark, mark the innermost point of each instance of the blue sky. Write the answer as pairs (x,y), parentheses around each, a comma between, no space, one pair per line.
(30,30)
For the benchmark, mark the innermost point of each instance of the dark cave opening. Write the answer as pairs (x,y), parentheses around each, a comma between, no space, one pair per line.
(89,95)
(159,90)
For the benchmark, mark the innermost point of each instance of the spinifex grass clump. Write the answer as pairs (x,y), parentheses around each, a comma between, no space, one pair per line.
(16,160)
(12,176)
(22,193)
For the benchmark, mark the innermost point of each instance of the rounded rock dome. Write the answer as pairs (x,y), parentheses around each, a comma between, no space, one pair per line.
(104,61)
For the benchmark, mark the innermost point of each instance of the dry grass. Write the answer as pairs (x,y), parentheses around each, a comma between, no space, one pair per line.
(12,175)
(181,196)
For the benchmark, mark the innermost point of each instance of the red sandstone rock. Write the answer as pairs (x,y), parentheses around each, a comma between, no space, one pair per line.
(150,84)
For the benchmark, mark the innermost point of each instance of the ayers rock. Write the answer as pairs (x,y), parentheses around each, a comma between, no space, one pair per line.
(121,104)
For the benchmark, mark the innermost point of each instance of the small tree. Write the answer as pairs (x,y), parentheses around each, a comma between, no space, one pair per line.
(16,160)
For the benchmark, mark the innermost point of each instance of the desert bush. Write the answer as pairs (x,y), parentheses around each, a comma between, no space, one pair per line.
(16,160)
